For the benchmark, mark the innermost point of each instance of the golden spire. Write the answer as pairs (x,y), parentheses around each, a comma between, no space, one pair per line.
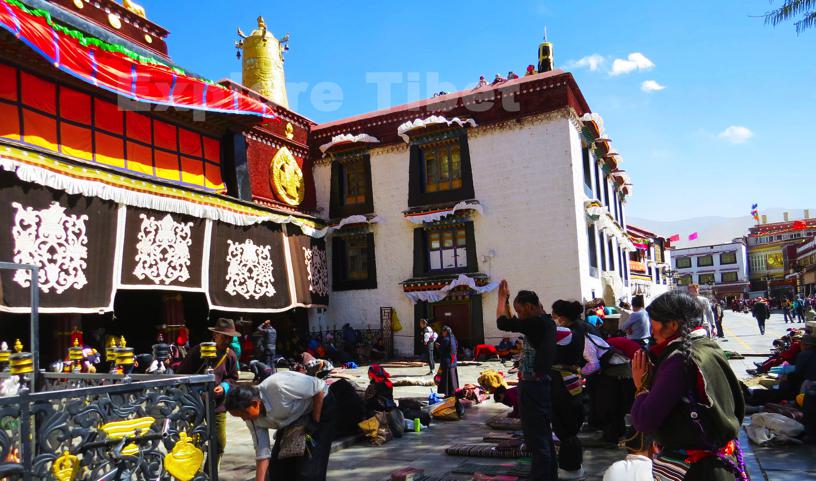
(546,61)
(262,63)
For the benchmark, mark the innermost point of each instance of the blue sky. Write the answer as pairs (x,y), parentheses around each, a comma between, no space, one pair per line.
(733,124)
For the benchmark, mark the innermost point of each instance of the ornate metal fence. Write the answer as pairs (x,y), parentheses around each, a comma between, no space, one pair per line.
(107,428)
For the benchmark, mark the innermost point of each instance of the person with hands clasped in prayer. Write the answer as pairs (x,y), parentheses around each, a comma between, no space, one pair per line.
(535,398)
(687,396)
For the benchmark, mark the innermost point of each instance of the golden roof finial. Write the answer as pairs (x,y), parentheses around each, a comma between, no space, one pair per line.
(262,62)
(18,346)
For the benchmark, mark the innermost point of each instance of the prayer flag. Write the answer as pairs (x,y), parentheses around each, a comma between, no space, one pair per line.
(754,206)
(799,225)
(693,236)
(674,238)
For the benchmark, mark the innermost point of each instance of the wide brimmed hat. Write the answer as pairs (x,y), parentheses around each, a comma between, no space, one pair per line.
(226,327)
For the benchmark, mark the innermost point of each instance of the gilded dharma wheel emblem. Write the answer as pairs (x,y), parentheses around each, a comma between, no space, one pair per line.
(287,178)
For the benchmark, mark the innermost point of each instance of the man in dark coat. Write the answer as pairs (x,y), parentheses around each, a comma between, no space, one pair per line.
(225,369)
(269,339)
(761,312)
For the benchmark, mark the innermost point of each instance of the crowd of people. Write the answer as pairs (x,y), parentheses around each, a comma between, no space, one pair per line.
(685,402)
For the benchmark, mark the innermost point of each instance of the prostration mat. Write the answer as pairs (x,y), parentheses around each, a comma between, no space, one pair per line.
(503,423)
(485,451)
(519,469)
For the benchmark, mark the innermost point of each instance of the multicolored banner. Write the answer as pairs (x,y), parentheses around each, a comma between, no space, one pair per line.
(118,69)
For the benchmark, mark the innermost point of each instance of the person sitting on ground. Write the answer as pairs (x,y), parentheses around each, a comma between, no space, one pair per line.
(379,395)
(504,348)
(638,463)
(637,326)
(518,348)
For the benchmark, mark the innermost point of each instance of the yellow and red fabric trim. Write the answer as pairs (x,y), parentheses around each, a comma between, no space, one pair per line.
(119,70)
(52,172)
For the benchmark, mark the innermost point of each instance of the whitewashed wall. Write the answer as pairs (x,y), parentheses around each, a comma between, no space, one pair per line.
(527,176)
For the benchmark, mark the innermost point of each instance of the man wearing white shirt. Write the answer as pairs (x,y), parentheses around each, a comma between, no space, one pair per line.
(281,400)
(708,314)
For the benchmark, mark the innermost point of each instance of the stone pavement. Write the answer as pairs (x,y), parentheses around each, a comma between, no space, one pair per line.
(426,450)
(786,463)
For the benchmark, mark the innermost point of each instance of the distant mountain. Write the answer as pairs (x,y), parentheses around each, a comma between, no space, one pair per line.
(712,229)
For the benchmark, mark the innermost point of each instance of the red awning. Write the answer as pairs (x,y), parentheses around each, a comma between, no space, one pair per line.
(117,69)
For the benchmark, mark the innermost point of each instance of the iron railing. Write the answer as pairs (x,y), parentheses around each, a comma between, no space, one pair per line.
(102,427)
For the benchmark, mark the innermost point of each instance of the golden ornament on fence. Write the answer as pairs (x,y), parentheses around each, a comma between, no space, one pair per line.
(184,461)
(65,467)
(130,427)
(287,178)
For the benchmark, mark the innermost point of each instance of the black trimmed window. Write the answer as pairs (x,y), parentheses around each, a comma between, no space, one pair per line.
(353,262)
(728,258)
(440,171)
(442,162)
(351,192)
(606,192)
(587,163)
(598,192)
(682,262)
(706,278)
(593,251)
(684,280)
(611,251)
(445,249)
(705,261)
(729,276)
(602,245)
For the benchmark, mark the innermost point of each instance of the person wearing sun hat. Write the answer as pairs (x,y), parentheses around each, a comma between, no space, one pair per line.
(225,369)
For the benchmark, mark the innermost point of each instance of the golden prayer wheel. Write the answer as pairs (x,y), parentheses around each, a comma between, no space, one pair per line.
(110,353)
(22,363)
(5,354)
(208,350)
(124,356)
(75,352)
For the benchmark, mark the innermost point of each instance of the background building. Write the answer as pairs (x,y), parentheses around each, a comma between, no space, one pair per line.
(649,264)
(767,243)
(432,203)
(721,270)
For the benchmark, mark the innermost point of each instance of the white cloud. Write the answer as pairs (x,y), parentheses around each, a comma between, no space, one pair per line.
(592,62)
(651,86)
(635,61)
(736,134)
